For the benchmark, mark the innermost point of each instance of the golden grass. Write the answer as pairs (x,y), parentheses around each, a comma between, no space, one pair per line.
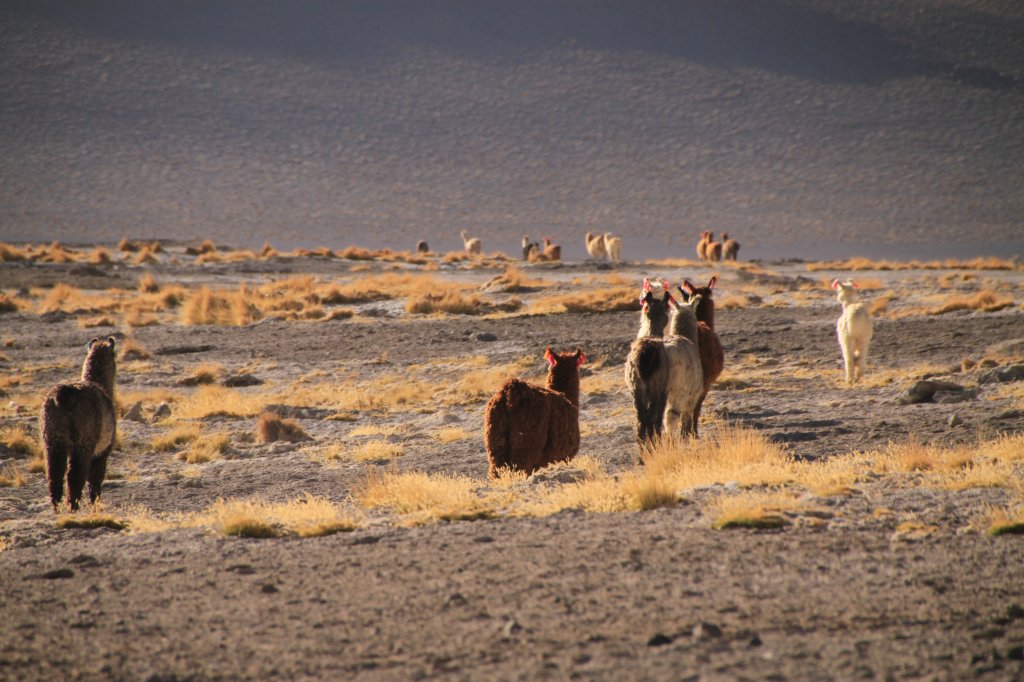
(386,392)
(451,434)
(204,374)
(986,301)
(18,440)
(229,308)
(148,284)
(92,519)
(6,541)
(1007,520)
(482,383)
(455,303)
(758,510)
(270,427)
(604,300)
(377,450)
(174,439)
(860,263)
(205,448)
(422,497)
(11,476)
(216,400)
(8,304)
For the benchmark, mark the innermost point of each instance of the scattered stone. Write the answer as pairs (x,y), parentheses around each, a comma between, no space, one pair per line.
(659,640)
(455,600)
(1003,374)
(134,413)
(705,631)
(59,574)
(924,391)
(451,418)
(181,350)
(293,412)
(85,561)
(1016,653)
(241,569)
(163,411)
(1015,612)
(954,420)
(947,397)
(754,641)
(269,589)
(242,380)
(486,336)
(511,627)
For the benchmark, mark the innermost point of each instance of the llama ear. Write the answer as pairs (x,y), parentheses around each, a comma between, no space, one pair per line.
(581,357)
(712,281)
(111,341)
(549,356)
(666,285)
(647,285)
(855,285)
(92,343)
(688,286)
(835,284)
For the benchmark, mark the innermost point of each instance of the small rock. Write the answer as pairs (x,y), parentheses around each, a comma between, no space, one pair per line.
(134,413)
(1016,653)
(242,380)
(704,631)
(954,420)
(754,641)
(455,600)
(1002,375)
(510,628)
(451,418)
(659,640)
(924,391)
(269,589)
(59,574)
(163,411)
(947,397)
(486,336)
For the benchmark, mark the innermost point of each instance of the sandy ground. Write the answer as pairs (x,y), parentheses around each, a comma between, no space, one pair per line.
(841,593)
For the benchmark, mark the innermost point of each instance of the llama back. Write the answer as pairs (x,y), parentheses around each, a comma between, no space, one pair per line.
(79,413)
(517,431)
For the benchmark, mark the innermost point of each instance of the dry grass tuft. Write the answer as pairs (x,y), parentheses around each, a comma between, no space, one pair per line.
(451,434)
(986,301)
(605,300)
(169,442)
(133,350)
(422,497)
(20,442)
(758,510)
(271,427)
(209,307)
(454,302)
(377,451)
(11,476)
(1005,520)
(203,375)
(206,448)
(148,284)
(93,519)
(860,263)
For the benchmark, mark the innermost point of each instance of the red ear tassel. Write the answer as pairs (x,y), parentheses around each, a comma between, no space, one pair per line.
(835,284)
(550,357)
(855,285)
(581,359)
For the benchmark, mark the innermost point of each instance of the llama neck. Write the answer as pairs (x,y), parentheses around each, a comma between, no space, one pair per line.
(100,373)
(566,380)
(684,323)
(706,312)
(653,320)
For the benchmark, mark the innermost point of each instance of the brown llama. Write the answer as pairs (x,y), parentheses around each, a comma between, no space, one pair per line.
(713,250)
(645,375)
(530,249)
(596,246)
(527,427)
(702,245)
(712,356)
(552,251)
(78,425)
(730,247)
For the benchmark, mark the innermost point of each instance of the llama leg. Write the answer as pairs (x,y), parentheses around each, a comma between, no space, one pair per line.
(77,473)
(862,360)
(56,468)
(848,363)
(97,471)
(696,413)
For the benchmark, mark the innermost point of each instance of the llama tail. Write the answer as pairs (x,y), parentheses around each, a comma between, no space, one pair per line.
(648,360)
(497,427)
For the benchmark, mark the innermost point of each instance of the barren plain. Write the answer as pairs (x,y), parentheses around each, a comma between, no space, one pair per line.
(814,531)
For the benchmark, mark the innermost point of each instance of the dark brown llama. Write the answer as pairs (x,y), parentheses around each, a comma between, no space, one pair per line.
(646,373)
(527,427)
(78,425)
(712,355)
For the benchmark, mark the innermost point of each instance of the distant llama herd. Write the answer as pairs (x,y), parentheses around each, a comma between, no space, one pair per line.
(671,365)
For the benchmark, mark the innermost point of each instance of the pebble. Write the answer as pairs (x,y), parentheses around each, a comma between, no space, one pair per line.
(163,411)
(954,420)
(134,413)
(659,640)
(704,631)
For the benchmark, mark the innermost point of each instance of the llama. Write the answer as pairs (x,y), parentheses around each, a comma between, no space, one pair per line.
(552,251)
(654,302)
(713,250)
(530,249)
(614,246)
(730,247)
(473,245)
(712,356)
(596,245)
(685,385)
(702,245)
(644,375)
(853,329)
(527,427)
(78,426)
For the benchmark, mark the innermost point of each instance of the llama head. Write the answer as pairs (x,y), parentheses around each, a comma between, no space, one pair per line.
(846,292)
(100,364)
(572,359)
(687,289)
(654,290)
